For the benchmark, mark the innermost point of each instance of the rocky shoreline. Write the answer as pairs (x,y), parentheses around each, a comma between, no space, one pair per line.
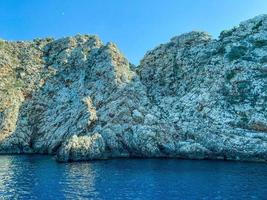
(194,97)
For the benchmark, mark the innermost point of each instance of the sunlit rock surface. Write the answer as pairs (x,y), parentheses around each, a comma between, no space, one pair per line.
(194,97)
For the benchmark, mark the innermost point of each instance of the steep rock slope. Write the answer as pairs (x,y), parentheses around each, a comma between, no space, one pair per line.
(193,97)
(215,91)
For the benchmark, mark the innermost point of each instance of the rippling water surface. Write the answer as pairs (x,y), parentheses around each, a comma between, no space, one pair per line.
(41,177)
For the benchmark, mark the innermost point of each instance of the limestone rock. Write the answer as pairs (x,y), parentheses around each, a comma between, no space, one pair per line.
(82,148)
(193,97)
(214,90)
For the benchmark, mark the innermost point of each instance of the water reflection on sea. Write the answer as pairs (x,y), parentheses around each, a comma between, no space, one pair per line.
(41,177)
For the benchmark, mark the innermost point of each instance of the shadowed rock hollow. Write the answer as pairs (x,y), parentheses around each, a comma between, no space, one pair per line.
(194,97)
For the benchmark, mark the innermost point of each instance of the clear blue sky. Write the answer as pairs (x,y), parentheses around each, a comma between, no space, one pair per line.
(134,25)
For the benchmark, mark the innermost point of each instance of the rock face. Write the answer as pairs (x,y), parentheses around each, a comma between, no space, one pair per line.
(194,97)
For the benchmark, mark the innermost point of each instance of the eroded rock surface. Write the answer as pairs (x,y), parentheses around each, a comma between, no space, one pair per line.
(194,97)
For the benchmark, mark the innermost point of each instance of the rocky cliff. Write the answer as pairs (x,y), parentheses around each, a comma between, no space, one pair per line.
(194,97)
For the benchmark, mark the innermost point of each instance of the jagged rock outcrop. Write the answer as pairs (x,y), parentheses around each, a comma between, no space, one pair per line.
(194,97)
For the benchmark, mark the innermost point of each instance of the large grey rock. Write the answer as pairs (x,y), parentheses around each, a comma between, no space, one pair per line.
(194,97)
(214,90)
(82,148)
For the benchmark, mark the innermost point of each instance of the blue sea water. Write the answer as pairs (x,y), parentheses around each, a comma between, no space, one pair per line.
(41,177)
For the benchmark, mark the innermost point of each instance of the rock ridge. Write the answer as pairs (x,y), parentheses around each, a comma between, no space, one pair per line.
(194,97)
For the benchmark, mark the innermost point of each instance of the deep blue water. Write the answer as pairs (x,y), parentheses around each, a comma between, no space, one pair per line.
(41,177)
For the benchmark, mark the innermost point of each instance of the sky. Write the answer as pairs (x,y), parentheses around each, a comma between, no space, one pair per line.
(136,26)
